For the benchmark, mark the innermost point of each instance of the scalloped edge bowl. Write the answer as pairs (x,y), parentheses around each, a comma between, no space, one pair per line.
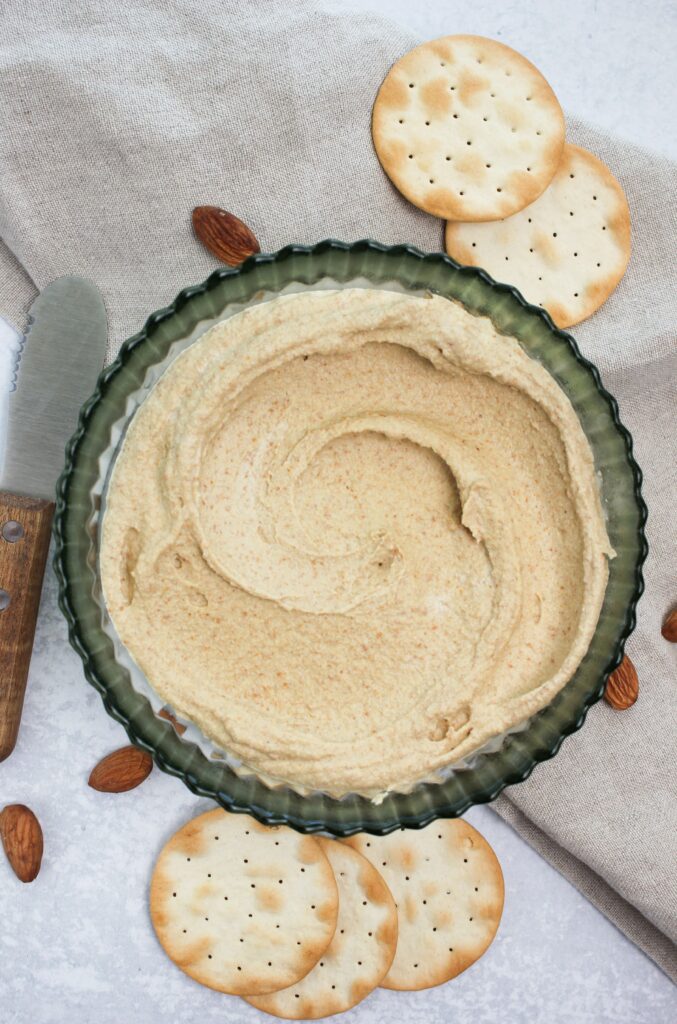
(81,488)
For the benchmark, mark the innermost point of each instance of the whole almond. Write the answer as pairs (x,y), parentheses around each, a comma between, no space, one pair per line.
(122,770)
(22,840)
(669,627)
(225,235)
(163,713)
(622,686)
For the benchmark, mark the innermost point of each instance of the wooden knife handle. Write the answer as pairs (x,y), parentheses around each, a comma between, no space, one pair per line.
(24,541)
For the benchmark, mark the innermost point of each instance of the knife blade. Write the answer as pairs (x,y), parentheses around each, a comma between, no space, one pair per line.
(61,359)
(11,343)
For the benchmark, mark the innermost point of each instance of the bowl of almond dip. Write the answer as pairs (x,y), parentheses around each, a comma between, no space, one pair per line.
(364,524)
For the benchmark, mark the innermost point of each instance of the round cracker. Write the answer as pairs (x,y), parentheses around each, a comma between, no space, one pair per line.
(467,128)
(565,252)
(448,887)
(240,907)
(361,952)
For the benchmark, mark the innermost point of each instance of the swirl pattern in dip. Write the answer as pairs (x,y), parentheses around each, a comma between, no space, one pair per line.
(353,535)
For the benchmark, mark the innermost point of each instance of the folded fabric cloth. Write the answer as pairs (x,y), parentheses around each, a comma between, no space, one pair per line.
(118,119)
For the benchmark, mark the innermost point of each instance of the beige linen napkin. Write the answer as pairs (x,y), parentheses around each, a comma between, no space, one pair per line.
(119,118)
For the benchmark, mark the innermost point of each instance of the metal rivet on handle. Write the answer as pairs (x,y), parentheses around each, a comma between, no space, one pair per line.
(4,600)
(12,531)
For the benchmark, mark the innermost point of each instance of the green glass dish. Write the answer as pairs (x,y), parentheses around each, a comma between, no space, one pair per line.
(101,424)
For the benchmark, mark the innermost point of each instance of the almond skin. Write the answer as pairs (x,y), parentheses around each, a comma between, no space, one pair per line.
(122,770)
(669,627)
(622,686)
(163,713)
(225,235)
(22,840)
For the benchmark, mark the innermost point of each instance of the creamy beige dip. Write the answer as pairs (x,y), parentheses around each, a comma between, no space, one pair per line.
(353,535)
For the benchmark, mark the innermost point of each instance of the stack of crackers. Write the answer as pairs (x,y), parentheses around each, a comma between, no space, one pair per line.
(305,927)
(469,130)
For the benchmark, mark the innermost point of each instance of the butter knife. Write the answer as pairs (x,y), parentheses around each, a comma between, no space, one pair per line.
(62,356)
